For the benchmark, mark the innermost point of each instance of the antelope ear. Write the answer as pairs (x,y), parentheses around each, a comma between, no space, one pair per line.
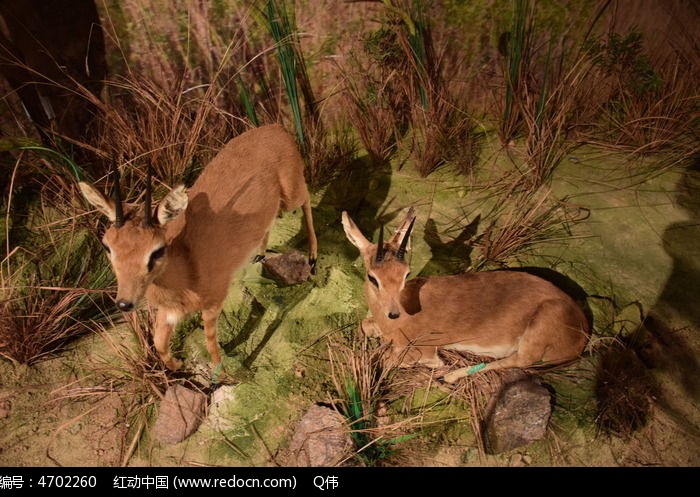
(98,201)
(354,234)
(172,205)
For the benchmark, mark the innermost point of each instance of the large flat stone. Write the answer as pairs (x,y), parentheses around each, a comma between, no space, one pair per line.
(321,439)
(518,416)
(288,269)
(180,414)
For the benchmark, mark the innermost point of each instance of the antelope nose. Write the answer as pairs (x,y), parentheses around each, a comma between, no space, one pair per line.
(125,305)
(393,315)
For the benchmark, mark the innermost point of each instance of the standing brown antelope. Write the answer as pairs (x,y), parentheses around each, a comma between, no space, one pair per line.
(184,258)
(517,318)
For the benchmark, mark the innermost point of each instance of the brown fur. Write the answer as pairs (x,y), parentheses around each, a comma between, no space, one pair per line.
(517,318)
(229,212)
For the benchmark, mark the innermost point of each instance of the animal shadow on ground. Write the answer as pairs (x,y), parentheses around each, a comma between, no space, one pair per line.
(252,322)
(626,388)
(451,256)
(659,344)
(361,188)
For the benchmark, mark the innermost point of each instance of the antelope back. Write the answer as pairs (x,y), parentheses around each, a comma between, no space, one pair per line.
(385,265)
(233,205)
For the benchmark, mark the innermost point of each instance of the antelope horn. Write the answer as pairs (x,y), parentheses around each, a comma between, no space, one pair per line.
(117,197)
(402,249)
(380,245)
(147,217)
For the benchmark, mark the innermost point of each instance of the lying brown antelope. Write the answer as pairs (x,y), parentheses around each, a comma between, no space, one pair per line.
(518,319)
(183,256)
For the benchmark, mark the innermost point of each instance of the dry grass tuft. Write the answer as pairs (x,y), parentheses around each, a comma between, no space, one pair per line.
(367,385)
(625,391)
(648,103)
(442,130)
(52,293)
(518,51)
(174,133)
(444,133)
(377,93)
(362,379)
(473,392)
(327,155)
(549,116)
(524,221)
(372,109)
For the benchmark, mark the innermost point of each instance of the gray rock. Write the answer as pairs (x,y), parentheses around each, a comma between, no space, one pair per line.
(180,414)
(518,416)
(289,269)
(320,439)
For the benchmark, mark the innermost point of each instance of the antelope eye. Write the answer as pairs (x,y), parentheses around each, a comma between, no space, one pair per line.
(373,280)
(155,255)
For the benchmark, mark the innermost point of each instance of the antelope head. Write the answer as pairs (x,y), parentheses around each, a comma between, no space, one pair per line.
(135,241)
(385,264)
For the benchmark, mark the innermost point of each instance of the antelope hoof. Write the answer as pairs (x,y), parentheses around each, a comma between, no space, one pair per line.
(258,258)
(173,364)
(432,363)
(312,265)
(455,375)
(370,328)
(462,372)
